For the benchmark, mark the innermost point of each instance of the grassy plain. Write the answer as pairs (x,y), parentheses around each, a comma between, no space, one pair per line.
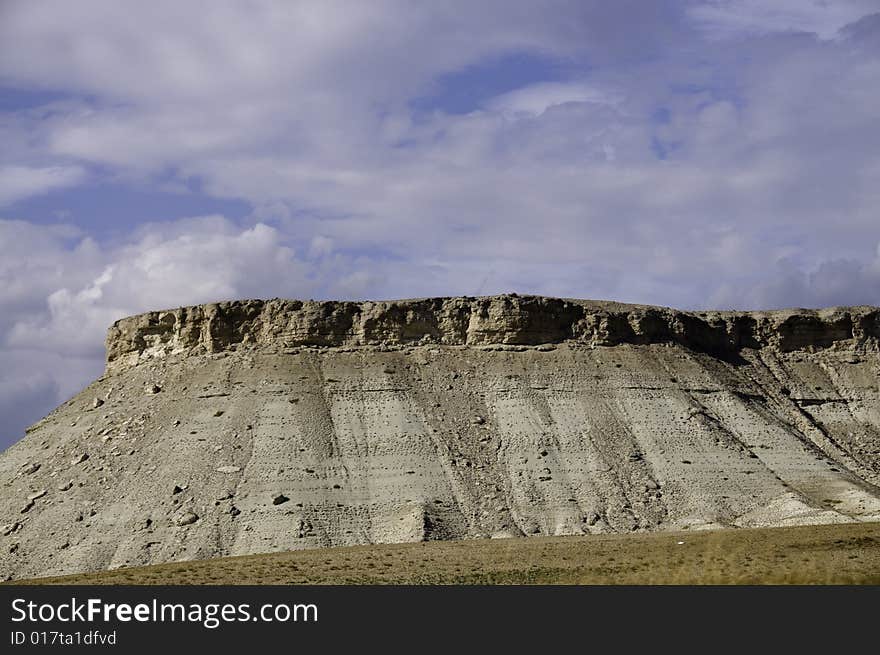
(820,554)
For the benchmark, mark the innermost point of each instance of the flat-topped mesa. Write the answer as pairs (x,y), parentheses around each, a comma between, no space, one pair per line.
(508,319)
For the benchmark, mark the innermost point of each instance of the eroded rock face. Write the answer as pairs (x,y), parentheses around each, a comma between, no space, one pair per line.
(255,426)
(279,324)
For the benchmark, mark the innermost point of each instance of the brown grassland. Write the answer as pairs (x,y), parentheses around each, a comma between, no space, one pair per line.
(821,554)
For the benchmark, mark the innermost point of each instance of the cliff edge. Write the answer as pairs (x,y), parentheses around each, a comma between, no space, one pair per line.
(502,320)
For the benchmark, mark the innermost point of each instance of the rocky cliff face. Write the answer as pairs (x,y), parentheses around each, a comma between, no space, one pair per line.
(255,426)
(279,324)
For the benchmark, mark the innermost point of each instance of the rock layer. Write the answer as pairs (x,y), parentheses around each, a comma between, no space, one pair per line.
(257,426)
(517,320)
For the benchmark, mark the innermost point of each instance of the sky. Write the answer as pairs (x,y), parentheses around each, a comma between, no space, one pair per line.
(721,154)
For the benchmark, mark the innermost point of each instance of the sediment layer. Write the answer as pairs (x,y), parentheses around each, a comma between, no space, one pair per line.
(509,319)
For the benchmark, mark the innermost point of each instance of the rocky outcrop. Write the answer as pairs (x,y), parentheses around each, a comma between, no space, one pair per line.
(258,426)
(511,320)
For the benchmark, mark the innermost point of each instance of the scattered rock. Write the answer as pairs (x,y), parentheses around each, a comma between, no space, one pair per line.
(10,528)
(279,499)
(478,420)
(79,459)
(38,494)
(219,412)
(304,528)
(187,518)
(27,507)
(153,389)
(177,489)
(31,468)
(228,469)
(234,511)
(96,403)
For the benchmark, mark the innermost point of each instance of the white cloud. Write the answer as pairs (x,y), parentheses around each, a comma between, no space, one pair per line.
(172,51)
(36,260)
(301,108)
(824,18)
(832,282)
(535,99)
(17,182)
(166,265)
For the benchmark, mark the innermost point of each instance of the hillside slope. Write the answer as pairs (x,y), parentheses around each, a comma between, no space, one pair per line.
(258,426)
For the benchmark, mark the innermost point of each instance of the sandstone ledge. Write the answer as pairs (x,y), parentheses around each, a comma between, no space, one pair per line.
(508,319)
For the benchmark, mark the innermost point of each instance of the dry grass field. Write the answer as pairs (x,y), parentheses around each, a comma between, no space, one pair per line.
(822,554)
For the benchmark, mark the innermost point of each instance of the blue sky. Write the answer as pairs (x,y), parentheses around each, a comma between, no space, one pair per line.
(721,154)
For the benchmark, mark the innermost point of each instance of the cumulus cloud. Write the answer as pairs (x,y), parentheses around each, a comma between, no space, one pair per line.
(165,265)
(304,108)
(36,260)
(833,282)
(573,181)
